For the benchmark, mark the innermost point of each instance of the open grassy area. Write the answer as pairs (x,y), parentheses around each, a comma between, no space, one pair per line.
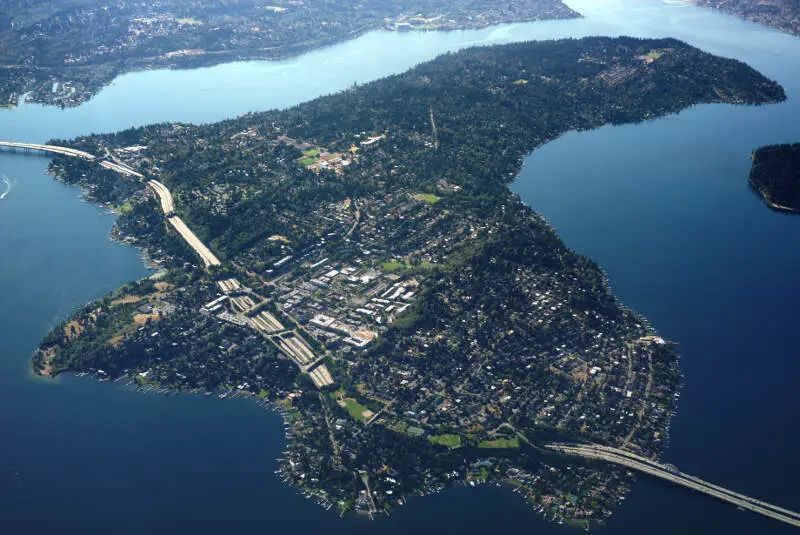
(123,208)
(355,409)
(429,198)
(309,160)
(500,443)
(451,441)
(393,265)
(311,152)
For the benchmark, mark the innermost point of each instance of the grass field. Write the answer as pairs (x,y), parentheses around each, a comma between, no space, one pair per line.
(451,441)
(500,443)
(308,161)
(355,409)
(393,265)
(429,198)
(654,54)
(311,152)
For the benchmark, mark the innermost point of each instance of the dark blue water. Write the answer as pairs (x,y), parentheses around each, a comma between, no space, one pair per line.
(662,206)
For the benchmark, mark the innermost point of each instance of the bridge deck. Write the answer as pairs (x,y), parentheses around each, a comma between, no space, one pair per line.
(647,466)
(49,148)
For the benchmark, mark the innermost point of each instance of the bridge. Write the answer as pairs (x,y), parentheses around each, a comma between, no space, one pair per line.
(161,191)
(52,149)
(673,475)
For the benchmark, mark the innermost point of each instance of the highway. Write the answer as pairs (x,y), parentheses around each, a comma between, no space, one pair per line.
(671,474)
(49,148)
(194,242)
(164,195)
(119,168)
(168,206)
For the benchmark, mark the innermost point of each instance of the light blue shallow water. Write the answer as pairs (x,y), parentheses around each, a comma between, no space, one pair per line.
(663,206)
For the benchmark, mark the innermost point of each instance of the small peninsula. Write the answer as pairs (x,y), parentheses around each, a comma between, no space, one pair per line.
(358,263)
(64,52)
(775,175)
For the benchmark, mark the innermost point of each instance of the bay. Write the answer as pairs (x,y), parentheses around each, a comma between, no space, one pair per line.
(663,206)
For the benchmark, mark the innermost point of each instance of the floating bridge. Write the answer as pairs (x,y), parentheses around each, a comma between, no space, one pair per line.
(164,195)
(673,475)
(52,149)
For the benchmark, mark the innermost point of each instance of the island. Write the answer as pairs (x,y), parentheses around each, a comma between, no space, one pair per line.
(63,52)
(775,176)
(358,263)
(781,14)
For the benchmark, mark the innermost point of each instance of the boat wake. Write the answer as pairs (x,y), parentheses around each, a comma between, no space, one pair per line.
(7,182)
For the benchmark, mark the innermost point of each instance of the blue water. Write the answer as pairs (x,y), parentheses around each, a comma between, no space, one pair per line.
(662,206)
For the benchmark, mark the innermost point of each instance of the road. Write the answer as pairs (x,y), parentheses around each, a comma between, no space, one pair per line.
(194,242)
(168,206)
(164,196)
(49,148)
(295,348)
(669,473)
(120,168)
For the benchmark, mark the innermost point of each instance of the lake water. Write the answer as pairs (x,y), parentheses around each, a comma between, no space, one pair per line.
(663,206)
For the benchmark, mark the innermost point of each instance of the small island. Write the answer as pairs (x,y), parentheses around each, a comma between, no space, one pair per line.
(358,263)
(775,176)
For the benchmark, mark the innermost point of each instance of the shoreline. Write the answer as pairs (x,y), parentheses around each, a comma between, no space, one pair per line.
(212,59)
(780,208)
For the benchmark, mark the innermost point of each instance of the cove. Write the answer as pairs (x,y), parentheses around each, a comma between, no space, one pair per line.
(663,206)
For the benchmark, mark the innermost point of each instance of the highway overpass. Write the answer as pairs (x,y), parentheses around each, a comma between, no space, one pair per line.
(64,151)
(673,475)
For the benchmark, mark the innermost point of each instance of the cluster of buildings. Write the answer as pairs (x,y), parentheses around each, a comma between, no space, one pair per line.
(510,337)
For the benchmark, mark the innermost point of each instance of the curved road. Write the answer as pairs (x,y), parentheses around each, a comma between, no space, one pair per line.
(164,195)
(168,206)
(671,474)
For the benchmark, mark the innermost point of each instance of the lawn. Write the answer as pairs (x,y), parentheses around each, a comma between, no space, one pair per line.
(355,409)
(451,441)
(393,265)
(499,443)
(429,198)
